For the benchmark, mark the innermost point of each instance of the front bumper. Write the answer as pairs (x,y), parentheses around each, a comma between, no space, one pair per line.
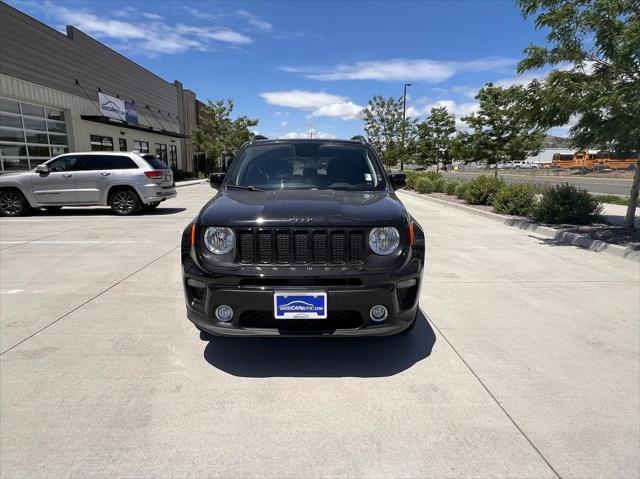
(349,300)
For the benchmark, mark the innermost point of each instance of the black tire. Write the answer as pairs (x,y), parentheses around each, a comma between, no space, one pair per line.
(13,203)
(124,202)
(151,206)
(53,209)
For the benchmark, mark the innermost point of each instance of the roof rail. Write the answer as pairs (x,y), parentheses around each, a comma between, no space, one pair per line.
(260,137)
(359,138)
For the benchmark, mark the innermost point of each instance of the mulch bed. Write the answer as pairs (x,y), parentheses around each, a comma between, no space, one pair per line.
(602,232)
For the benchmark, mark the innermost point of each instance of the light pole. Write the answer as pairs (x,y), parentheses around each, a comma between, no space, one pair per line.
(404,116)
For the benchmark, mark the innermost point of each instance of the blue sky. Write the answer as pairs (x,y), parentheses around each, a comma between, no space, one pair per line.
(310,66)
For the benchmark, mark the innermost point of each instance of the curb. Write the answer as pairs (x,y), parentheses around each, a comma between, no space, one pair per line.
(189,183)
(558,237)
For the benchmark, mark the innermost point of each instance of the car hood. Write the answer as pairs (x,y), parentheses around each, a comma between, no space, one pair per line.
(303,208)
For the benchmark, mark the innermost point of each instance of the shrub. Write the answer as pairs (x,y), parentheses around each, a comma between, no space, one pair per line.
(439,185)
(567,204)
(451,187)
(424,185)
(517,199)
(481,190)
(461,189)
(412,177)
(433,175)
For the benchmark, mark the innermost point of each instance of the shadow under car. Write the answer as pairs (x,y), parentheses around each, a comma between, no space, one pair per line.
(321,356)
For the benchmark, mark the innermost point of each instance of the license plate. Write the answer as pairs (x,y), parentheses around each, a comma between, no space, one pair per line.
(293,305)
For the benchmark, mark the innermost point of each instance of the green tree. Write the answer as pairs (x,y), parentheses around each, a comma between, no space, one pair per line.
(595,47)
(217,134)
(500,130)
(435,137)
(383,125)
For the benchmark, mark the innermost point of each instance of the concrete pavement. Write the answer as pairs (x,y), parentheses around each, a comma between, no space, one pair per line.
(524,364)
(594,185)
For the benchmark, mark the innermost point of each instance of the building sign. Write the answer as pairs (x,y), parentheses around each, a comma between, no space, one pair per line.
(117,108)
(131,112)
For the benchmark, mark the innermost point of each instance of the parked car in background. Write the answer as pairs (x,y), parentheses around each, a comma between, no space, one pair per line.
(304,237)
(523,164)
(127,182)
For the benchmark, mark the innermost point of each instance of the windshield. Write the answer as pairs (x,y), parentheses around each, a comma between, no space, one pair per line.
(300,166)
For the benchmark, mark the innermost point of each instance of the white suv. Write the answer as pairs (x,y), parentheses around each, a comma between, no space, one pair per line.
(127,182)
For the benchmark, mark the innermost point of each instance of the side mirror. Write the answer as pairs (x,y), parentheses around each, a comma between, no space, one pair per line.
(398,180)
(42,169)
(216,179)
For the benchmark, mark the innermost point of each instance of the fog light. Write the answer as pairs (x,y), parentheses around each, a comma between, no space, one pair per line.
(224,313)
(378,313)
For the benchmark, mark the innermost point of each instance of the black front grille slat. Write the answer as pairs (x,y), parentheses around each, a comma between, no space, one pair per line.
(283,247)
(300,246)
(246,247)
(320,247)
(265,247)
(338,249)
(356,246)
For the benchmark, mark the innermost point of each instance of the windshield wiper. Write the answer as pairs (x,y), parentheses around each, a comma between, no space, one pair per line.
(244,187)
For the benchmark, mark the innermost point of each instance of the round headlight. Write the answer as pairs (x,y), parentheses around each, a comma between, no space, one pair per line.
(219,240)
(384,241)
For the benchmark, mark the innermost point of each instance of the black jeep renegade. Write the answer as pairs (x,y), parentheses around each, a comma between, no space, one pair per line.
(304,237)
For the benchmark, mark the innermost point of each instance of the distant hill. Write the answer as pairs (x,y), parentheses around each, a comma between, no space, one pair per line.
(551,141)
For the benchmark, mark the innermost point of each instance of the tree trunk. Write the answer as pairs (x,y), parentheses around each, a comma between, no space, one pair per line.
(495,171)
(437,166)
(630,219)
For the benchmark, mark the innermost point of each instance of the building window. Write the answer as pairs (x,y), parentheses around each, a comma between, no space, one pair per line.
(122,144)
(30,134)
(101,143)
(173,156)
(141,146)
(161,152)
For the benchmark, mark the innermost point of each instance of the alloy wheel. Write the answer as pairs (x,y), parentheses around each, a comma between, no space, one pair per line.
(124,202)
(11,203)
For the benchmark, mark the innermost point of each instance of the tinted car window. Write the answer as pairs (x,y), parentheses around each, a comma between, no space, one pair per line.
(320,165)
(123,163)
(96,162)
(66,163)
(155,163)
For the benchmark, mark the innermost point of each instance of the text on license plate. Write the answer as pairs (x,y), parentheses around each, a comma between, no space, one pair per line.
(288,305)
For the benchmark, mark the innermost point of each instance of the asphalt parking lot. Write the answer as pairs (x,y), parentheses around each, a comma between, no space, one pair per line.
(525,363)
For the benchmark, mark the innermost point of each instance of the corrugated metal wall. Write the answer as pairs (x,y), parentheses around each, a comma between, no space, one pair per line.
(49,63)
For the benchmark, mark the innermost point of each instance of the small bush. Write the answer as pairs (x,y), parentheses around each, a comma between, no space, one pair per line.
(439,185)
(424,185)
(461,188)
(481,190)
(433,175)
(412,177)
(567,204)
(451,187)
(517,199)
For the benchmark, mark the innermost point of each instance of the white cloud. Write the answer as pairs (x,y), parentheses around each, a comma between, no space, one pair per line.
(318,103)
(284,123)
(401,69)
(220,34)
(302,99)
(346,110)
(152,16)
(149,36)
(311,133)
(255,21)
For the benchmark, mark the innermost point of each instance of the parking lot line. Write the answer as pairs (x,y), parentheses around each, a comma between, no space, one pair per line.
(89,300)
